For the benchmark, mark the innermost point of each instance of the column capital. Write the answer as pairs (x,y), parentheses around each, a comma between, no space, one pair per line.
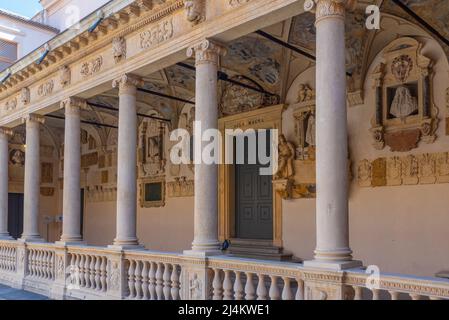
(207,51)
(33,118)
(127,83)
(6,131)
(329,8)
(73,104)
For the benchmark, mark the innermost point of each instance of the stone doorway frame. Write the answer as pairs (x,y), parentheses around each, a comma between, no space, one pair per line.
(263,118)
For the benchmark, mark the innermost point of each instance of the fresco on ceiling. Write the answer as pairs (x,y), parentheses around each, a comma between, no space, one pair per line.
(255,58)
(303,32)
(434,12)
(181,77)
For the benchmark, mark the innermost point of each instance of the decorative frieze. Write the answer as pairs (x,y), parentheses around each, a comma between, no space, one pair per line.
(427,168)
(46,88)
(181,187)
(235,3)
(91,67)
(157,34)
(11,105)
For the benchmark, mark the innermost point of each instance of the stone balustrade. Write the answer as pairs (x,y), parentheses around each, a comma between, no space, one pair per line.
(85,272)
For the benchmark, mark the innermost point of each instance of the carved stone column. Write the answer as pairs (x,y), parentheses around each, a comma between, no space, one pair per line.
(127,162)
(32,179)
(71,224)
(332,250)
(5,133)
(207,55)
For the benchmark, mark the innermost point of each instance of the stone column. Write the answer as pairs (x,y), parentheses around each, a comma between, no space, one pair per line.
(207,55)
(71,226)
(332,250)
(5,133)
(32,179)
(127,162)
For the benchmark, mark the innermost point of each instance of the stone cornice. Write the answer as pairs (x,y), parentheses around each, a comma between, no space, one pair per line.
(69,47)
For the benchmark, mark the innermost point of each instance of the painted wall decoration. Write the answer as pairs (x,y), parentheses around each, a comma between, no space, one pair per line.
(404,112)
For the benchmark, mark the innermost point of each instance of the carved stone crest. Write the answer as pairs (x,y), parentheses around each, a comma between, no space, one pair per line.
(46,88)
(157,34)
(91,67)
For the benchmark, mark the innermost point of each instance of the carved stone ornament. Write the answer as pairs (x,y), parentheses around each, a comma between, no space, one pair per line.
(305,123)
(25,96)
(404,112)
(119,49)
(195,10)
(73,105)
(207,52)
(181,187)
(46,88)
(157,34)
(11,105)
(151,149)
(127,83)
(65,76)
(329,8)
(427,168)
(235,3)
(91,67)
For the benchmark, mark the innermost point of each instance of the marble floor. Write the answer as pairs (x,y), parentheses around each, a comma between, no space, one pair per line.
(8,293)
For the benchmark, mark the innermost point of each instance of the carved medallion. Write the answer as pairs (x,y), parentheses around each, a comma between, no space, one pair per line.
(91,67)
(46,88)
(157,34)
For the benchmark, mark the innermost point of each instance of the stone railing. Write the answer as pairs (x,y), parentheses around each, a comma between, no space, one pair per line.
(84,272)
(247,279)
(153,276)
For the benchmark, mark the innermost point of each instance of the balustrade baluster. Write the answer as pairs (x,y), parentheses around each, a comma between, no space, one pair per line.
(274,289)
(145,278)
(261,288)
(238,287)
(287,290)
(152,281)
(227,286)
(97,273)
(82,282)
(159,281)
(138,279)
(175,283)
(167,282)
(394,295)
(92,272)
(87,271)
(300,291)
(103,276)
(250,291)
(132,289)
(217,285)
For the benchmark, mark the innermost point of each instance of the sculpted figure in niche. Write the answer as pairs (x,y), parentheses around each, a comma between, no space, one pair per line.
(305,93)
(286,157)
(310,132)
(404,104)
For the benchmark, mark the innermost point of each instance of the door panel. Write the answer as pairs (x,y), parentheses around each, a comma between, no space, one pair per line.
(15,215)
(253,201)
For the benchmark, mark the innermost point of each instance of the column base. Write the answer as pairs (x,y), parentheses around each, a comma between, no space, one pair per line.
(333,265)
(65,243)
(32,239)
(202,254)
(5,236)
(126,245)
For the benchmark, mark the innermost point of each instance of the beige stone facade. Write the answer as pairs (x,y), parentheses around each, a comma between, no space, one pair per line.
(366,111)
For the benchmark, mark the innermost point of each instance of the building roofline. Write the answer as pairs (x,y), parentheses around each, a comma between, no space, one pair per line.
(28,21)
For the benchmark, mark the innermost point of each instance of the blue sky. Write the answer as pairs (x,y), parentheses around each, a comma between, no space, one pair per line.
(23,7)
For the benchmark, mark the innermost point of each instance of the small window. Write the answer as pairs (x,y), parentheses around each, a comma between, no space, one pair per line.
(8,54)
